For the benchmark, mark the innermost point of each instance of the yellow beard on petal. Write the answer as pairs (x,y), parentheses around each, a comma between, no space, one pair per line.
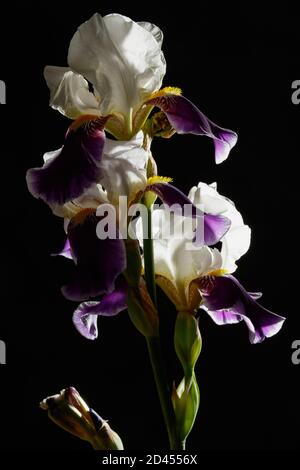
(158,179)
(164,91)
(150,196)
(86,119)
(218,272)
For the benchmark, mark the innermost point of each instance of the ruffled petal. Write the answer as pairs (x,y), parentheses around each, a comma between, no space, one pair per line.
(86,315)
(186,118)
(69,92)
(154,30)
(228,302)
(124,168)
(236,241)
(75,167)
(98,262)
(122,60)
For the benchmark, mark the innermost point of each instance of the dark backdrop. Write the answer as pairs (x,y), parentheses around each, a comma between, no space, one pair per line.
(237,65)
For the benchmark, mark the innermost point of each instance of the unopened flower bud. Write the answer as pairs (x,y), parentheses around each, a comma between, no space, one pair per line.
(142,311)
(134,262)
(187,341)
(186,399)
(158,125)
(69,411)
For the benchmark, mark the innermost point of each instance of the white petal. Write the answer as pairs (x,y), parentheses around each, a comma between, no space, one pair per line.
(236,242)
(124,168)
(176,258)
(50,155)
(163,262)
(189,264)
(69,92)
(234,245)
(93,197)
(121,59)
(154,30)
(118,147)
(210,200)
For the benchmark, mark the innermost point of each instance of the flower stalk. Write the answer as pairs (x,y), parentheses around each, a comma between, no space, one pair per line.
(153,343)
(149,258)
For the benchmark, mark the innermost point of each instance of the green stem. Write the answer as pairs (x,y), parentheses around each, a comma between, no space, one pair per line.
(154,347)
(163,390)
(149,259)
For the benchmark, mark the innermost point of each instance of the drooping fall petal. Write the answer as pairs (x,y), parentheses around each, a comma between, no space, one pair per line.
(86,315)
(98,261)
(227,301)
(186,118)
(75,167)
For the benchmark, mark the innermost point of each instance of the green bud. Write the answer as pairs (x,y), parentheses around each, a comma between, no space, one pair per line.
(186,400)
(142,311)
(151,166)
(149,199)
(69,411)
(158,125)
(107,439)
(134,262)
(187,341)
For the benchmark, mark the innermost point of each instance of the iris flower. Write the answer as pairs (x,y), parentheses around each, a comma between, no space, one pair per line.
(194,277)
(116,68)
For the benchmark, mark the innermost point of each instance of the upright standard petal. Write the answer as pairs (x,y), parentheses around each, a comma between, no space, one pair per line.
(210,228)
(186,118)
(236,241)
(86,315)
(69,92)
(74,168)
(98,262)
(122,60)
(124,168)
(154,30)
(227,301)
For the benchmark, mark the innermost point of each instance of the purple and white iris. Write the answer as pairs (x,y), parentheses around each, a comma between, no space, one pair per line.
(116,68)
(195,277)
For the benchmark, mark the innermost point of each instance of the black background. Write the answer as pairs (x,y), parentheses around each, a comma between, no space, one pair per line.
(237,65)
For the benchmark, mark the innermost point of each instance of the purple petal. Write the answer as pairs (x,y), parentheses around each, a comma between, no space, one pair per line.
(224,317)
(186,118)
(215,227)
(228,302)
(76,167)
(86,315)
(66,252)
(210,229)
(255,295)
(98,262)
